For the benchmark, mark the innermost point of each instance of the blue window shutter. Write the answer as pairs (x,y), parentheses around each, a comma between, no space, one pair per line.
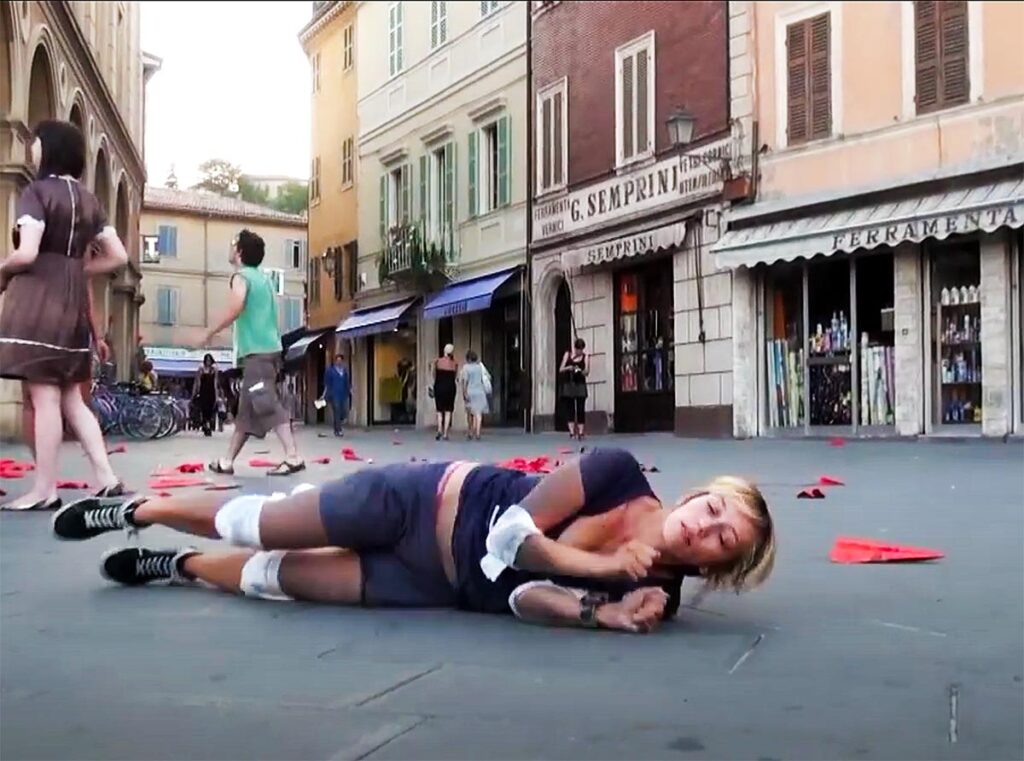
(472,174)
(172,241)
(161,240)
(504,165)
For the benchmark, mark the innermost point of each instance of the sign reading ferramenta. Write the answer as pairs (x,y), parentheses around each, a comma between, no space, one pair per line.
(679,179)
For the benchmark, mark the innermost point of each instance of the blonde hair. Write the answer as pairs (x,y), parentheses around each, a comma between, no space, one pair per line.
(753,567)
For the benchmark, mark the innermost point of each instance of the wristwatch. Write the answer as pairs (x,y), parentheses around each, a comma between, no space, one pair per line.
(588,609)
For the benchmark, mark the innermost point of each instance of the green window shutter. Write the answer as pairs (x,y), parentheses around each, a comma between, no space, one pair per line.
(423,189)
(473,200)
(504,168)
(406,193)
(383,210)
(449,191)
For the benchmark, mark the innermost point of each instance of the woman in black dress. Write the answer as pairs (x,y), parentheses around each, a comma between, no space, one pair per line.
(575,369)
(445,371)
(62,239)
(205,393)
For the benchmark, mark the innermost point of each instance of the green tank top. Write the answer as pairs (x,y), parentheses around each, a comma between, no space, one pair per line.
(256,327)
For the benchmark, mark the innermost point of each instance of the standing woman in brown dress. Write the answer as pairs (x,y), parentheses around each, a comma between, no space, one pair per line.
(63,240)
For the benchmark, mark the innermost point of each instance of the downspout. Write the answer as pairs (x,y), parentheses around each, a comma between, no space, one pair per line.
(525,300)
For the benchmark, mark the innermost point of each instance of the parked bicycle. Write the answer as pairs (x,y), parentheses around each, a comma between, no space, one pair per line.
(124,408)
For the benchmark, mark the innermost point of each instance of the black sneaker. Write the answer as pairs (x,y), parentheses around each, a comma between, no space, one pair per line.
(93,516)
(133,566)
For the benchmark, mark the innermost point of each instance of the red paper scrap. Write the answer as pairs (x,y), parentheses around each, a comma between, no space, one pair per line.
(350,454)
(856,550)
(190,467)
(176,482)
(536,465)
(812,492)
(259,462)
(72,485)
(829,481)
(837,442)
(119,449)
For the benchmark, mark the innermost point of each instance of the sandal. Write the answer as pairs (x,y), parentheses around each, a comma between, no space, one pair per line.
(217,467)
(286,469)
(117,490)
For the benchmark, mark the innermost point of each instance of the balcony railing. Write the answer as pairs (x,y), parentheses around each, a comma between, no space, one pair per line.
(412,258)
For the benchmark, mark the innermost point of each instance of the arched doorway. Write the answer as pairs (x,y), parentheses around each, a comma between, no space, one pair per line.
(121,213)
(41,100)
(563,340)
(6,40)
(101,189)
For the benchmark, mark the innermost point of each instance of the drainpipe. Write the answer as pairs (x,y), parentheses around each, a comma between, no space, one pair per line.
(525,299)
(206,273)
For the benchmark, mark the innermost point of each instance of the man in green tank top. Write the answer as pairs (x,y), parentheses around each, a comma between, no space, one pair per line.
(253,311)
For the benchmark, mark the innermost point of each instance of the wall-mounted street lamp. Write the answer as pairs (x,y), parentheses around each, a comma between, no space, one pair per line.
(329,261)
(680,125)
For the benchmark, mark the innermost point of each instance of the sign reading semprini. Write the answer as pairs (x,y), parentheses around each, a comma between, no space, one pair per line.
(675,180)
(224,356)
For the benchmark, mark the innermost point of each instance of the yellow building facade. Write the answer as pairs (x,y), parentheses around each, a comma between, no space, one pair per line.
(80,62)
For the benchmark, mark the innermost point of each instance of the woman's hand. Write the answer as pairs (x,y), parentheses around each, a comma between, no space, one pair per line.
(632,560)
(639,612)
(102,350)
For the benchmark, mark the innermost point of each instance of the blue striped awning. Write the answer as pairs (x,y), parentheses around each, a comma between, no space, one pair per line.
(467,295)
(176,368)
(382,319)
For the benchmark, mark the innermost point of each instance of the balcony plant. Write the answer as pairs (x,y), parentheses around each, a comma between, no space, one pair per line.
(414,262)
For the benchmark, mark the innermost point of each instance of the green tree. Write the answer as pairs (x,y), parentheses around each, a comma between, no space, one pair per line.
(292,197)
(252,193)
(219,176)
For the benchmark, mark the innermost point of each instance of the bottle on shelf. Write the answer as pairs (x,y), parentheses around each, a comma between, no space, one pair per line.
(972,294)
(945,297)
(954,296)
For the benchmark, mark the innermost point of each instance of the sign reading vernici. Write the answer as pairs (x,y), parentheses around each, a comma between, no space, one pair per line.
(679,179)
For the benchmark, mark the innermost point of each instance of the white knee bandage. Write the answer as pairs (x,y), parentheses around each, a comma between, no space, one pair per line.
(260,576)
(238,521)
(504,538)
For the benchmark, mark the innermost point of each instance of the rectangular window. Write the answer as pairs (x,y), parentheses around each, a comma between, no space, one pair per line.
(634,99)
(395,198)
(167,241)
(316,72)
(314,181)
(395,39)
(433,192)
(352,266)
(552,138)
(487,7)
(276,277)
(348,47)
(809,79)
(346,162)
(941,55)
(438,23)
(489,169)
(167,305)
(313,281)
(295,254)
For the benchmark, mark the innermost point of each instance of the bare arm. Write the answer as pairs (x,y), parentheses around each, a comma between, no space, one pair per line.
(565,363)
(28,249)
(586,365)
(106,255)
(548,604)
(236,303)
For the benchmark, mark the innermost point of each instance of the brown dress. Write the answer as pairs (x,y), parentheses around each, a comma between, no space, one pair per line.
(44,320)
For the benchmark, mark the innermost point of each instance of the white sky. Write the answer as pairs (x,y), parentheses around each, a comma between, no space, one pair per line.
(234,85)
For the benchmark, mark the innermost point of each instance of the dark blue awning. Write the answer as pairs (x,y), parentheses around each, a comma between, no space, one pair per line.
(366,322)
(298,349)
(466,296)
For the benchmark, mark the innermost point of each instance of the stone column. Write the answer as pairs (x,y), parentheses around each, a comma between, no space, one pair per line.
(744,354)
(995,336)
(910,350)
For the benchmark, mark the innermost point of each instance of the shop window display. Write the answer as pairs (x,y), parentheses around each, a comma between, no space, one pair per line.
(829,355)
(784,352)
(876,355)
(956,306)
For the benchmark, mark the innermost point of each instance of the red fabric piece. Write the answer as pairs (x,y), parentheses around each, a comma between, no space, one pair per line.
(837,442)
(15,468)
(812,492)
(72,485)
(11,473)
(829,481)
(348,453)
(856,550)
(119,449)
(259,462)
(536,465)
(222,487)
(190,467)
(176,482)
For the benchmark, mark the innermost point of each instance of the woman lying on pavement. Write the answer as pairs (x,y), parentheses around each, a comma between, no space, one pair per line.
(588,545)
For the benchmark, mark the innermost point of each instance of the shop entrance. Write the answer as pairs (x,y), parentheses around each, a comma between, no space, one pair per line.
(392,371)
(644,349)
(563,340)
(500,354)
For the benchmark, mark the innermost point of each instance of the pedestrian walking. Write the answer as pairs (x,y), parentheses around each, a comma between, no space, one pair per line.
(476,387)
(445,369)
(338,393)
(206,393)
(61,239)
(253,312)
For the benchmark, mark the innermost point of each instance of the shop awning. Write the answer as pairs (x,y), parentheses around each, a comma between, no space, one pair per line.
(467,295)
(382,319)
(177,368)
(977,208)
(299,348)
(626,245)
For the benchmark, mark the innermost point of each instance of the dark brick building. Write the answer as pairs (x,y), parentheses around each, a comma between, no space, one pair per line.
(623,213)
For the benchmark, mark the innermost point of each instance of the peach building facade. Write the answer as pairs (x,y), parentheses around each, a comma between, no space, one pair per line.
(877,275)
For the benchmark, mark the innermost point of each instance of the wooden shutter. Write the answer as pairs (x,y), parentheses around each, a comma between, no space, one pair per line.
(557,151)
(546,142)
(642,65)
(406,193)
(926,55)
(941,55)
(627,109)
(173,306)
(797,107)
(384,210)
(474,163)
(956,85)
(424,210)
(449,192)
(820,77)
(504,166)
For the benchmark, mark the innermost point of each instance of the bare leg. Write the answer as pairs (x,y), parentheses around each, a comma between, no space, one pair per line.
(440,424)
(286,436)
(28,420)
(285,524)
(87,428)
(49,432)
(447,423)
(330,575)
